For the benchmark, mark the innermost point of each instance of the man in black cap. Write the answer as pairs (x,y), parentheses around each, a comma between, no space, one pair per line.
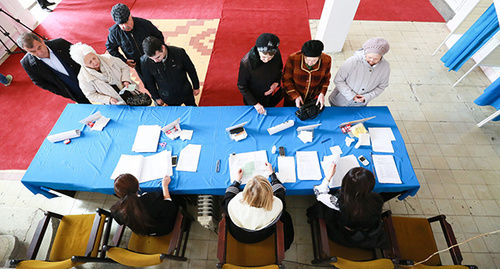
(307,75)
(165,69)
(128,34)
(259,76)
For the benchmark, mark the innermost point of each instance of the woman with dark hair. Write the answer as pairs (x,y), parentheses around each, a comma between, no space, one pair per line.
(151,213)
(253,212)
(353,213)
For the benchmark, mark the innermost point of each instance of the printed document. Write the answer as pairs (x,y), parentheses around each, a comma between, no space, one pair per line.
(145,168)
(308,165)
(253,163)
(146,138)
(286,169)
(189,157)
(385,169)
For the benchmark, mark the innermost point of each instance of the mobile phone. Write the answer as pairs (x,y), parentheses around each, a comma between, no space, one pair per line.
(363,160)
(174,161)
(282,151)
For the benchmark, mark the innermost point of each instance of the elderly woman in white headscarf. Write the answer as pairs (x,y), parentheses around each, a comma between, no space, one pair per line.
(101,77)
(363,76)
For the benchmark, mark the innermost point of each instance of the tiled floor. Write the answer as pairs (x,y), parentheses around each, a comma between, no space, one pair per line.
(457,163)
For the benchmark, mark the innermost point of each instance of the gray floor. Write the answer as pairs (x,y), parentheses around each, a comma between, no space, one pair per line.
(456,162)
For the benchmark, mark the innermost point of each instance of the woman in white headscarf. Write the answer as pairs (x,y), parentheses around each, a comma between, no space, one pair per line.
(101,77)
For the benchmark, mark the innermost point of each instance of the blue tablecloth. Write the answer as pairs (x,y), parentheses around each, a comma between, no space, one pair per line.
(87,163)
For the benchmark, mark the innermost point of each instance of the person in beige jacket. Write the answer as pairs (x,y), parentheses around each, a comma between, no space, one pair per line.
(101,76)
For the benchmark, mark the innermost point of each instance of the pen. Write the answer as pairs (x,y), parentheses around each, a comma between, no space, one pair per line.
(218,166)
(325,140)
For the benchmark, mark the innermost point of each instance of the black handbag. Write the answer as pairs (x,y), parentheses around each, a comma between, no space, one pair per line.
(308,110)
(134,98)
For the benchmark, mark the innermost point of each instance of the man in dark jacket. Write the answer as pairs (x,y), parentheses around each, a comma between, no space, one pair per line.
(128,34)
(50,66)
(165,69)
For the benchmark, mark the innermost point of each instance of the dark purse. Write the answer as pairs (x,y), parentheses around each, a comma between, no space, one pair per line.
(308,110)
(134,98)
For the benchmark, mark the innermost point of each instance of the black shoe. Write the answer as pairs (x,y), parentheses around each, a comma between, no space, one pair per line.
(47,3)
(47,9)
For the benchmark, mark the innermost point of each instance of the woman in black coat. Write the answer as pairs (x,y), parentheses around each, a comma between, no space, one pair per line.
(253,212)
(353,213)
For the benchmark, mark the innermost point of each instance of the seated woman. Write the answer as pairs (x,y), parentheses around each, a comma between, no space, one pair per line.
(363,76)
(307,75)
(102,76)
(252,214)
(259,76)
(151,213)
(353,213)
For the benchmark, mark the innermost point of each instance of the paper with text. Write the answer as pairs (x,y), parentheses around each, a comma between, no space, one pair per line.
(286,169)
(145,168)
(189,157)
(146,138)
(308,165)
(385,169)
(253,163)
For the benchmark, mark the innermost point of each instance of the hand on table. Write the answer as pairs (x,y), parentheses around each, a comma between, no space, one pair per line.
(321,100)
(299,102)
(240,175)
(269,168)
(260,108)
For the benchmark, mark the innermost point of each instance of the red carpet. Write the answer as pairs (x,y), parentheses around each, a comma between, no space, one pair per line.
(386,10)
(241,23)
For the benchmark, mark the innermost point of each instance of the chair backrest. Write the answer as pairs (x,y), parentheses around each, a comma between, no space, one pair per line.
(267,252)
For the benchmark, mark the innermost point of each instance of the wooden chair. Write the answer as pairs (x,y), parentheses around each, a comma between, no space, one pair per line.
(77,240)
(412,239)
(268,253)
(144,251)
(327,252)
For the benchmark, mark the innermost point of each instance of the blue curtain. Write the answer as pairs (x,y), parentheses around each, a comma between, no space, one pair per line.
(472,40)
(490,97)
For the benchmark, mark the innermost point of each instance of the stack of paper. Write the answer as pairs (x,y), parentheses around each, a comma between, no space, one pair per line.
(145,168)
(385,169)
(146,139)
(286,169)
(382,139)
(308,165)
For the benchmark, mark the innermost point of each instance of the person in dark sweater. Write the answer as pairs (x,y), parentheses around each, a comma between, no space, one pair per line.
(253,212)
(260,73)
(150,213)
(353,213)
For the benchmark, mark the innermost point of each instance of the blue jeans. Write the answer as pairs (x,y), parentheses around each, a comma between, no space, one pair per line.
(3,79)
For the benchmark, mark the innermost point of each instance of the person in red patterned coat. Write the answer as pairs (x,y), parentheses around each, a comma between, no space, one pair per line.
(307,75)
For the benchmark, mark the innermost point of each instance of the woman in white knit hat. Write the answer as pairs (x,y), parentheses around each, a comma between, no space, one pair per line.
(363,76)
(101,76)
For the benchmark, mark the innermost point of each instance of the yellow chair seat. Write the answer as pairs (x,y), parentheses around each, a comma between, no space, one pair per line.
(257,254)
(230,266)
(423,266)
(374,264)
(416,240)
(149,244)
(129,258)
(30,264)
(353,254)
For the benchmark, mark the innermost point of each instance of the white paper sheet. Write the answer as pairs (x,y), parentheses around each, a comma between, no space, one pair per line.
(146,138)
(145,168)
(385,169)
(252,163)
(63,136)
(308,165)
(343,166)
(363,140)
(381,139)
(189,157)
(186,134)
(286,169)
(336,150)
(305,136)
(100,124)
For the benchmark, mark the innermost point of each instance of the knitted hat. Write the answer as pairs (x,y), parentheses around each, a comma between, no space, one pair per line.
(312,48)
(78,51)
(120,13)
(376,45)
(267,42)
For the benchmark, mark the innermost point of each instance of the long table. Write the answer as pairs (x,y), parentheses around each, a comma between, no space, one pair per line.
(87,163)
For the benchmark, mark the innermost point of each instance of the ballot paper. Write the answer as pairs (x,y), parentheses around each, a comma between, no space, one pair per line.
(189,158)
(363,140)
(336,150)
(253,163)
(63,136)
(385,169)
(286,169)
(146,138)
(145,168)
(381,139)
(344,164)
(186,134)
(308,165)
(99,121)
(173,129)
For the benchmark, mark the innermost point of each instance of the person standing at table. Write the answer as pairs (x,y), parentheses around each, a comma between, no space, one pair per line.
(353,213)
(260,73)
(253,212)
(307,75)
(363,76)
(151,213)
(50,66)
(127,34)
(166,69)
